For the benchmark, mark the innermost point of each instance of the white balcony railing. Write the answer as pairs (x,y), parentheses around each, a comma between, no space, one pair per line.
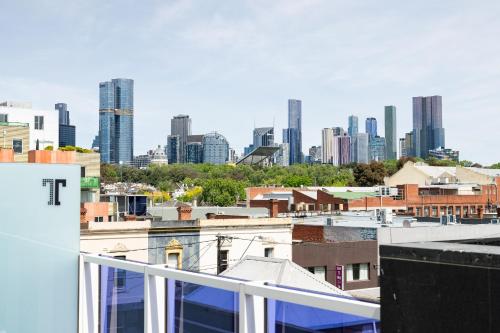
(255,302)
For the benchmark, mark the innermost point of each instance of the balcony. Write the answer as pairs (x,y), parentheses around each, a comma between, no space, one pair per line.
(124,296)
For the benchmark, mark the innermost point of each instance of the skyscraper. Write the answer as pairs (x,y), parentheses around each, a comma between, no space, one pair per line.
(353,128)
(173,144)
(377,149)
(371,127)
(215,148)
(263,137)
(181,126)
(293,134)
(428,131)
(359,148)
(344,143)
(67,131)
(391,138)
(327,145)
(116,121)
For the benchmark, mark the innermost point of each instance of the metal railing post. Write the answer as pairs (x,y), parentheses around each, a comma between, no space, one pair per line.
(154,303)
(88,297)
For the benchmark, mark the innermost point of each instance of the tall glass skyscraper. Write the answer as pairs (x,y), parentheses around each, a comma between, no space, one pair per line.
(353,128)
(428,131)
(371,127)
(263,137)
(116,121)
(391,135)
(293,134)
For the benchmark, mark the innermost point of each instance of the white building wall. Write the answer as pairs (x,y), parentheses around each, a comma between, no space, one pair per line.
(129,239)
(49,136)
(267,233)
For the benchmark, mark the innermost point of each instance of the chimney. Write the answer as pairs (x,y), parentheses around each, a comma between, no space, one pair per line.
(6,155)
(184,213)
(273,208)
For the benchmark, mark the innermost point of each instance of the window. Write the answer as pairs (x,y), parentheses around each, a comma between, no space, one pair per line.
(17,146)
(99,219)
(4,118)
(120,277)
(318,271)
(173,260)
(223,261)
(39,122)
(269,252)
(358,272)
(82,171)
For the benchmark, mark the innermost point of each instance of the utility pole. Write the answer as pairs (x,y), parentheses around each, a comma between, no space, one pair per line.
(219,259)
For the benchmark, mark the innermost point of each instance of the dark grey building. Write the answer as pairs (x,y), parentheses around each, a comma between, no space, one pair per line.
(67,132)
(181,126)
(353,128)
(391,135)
(428,131)
(194,149)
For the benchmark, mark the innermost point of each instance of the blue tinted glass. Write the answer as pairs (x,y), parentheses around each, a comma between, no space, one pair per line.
(122,300)
(286,317)
(205,309)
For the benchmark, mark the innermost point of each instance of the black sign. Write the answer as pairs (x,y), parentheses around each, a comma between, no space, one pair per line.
(54,186)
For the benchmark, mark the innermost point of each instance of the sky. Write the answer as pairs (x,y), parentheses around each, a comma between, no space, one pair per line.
(232,65)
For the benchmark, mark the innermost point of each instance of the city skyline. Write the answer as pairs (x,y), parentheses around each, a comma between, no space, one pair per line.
(178,54)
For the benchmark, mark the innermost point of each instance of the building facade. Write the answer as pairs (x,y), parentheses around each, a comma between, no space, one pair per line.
(359,148)
(215,148)
(353,128)
(263,137)
(116,121)
(43,124)
(428,131)
(293,134)
(327,144)
(391,135)
(371,127)
(344,145)
(67,132)
(377,149)
(173,149)
(181,126)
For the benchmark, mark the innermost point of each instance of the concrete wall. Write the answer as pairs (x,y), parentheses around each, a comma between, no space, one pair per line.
(49,136)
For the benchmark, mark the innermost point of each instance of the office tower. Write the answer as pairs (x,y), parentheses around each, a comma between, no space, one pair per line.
(95,143)
(194,149)
(327,144)
(67,132)
(409,145)
(402,147)
(173,149)
(215,149)
(315,154)
(338,131)
(263,137)
(283,155)
(391,140)
(116,121)
(359,148)
(371,127)
(181,126)
(377,149)
(428,131)
(344,144)
(293,134)
(353,128)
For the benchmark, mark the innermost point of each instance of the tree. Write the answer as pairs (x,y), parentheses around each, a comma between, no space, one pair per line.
(222,192)
(296,181)
(369,174)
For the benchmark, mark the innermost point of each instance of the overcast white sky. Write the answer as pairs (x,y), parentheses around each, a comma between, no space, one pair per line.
(230,64)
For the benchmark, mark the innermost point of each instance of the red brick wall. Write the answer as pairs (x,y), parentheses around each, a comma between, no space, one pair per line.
(299,197)
(308,233)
